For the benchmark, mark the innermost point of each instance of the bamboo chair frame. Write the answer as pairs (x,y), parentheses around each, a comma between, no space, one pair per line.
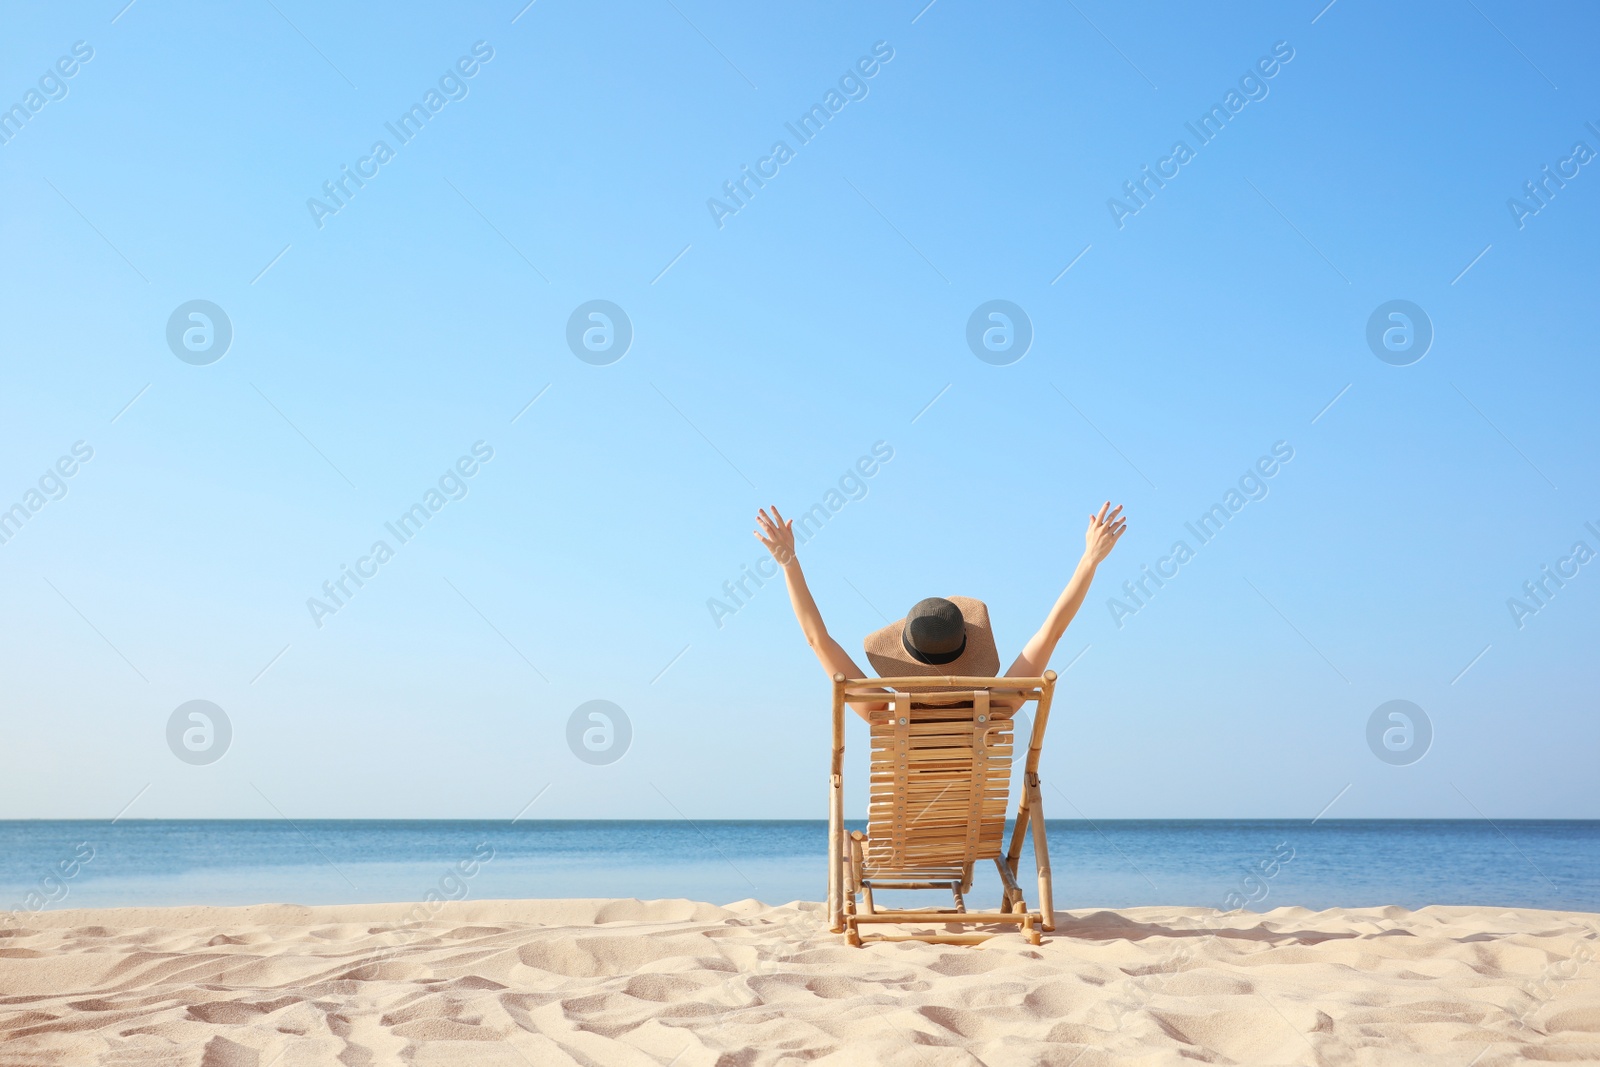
(970,821)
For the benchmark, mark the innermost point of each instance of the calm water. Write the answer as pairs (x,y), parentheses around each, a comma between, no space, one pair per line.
(1259,864)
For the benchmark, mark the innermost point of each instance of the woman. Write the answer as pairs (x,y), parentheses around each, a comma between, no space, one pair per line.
(939,635)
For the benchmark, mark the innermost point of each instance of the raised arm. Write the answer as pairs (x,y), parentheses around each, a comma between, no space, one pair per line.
(777,534)
(1105,529)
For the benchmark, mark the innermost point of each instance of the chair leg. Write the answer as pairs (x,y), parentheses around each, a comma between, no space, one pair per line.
(1041,854)
(847,877)
(1011,898)
(848,890)
(955,891)
(857,861)
(1018,831)
(836,834)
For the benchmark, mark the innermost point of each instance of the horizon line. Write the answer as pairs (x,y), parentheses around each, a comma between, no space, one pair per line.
(821,821)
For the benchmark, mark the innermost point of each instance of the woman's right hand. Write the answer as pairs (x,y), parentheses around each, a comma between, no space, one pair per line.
(1105,530)
(777,534)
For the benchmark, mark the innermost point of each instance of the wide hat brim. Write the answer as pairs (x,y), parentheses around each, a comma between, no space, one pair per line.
(980,659)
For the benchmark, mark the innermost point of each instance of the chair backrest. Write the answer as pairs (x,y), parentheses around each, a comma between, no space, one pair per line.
(941,769)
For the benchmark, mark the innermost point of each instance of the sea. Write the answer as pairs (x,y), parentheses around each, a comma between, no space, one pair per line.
(1255,864)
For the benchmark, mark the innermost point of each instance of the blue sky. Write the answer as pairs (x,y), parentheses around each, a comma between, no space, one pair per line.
(369,354)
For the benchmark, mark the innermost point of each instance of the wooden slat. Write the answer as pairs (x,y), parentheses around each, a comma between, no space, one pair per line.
(930,916)
(926,874)
(936,939)
(933,720)
(945,681)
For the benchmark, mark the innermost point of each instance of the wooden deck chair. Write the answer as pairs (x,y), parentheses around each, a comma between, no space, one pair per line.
(940,780)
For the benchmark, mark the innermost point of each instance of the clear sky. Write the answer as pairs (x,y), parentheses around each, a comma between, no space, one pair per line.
(969,153)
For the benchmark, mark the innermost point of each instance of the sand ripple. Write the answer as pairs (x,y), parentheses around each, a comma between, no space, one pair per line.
(651,983)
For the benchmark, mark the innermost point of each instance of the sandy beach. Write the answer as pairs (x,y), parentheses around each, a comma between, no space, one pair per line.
(600,982)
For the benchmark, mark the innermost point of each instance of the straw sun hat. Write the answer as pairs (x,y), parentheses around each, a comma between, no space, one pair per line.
(939,635)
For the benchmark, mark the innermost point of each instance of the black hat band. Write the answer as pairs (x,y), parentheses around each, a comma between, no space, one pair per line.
(931,659)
